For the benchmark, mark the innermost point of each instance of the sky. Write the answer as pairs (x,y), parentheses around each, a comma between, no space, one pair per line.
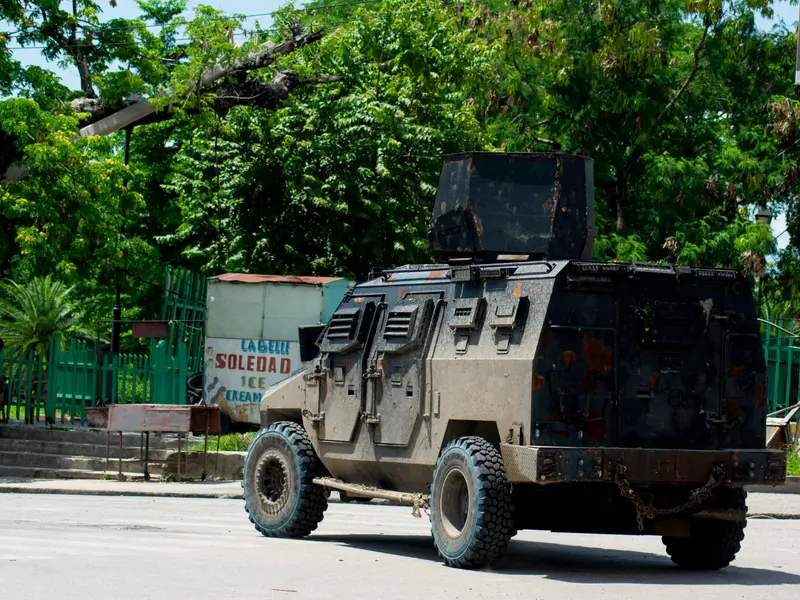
(784,11)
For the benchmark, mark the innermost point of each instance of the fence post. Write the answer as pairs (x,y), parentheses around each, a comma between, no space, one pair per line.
(54,355)
(159,366)
(183,372)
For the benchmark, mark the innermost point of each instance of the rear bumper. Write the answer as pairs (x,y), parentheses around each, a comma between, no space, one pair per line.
(553,464)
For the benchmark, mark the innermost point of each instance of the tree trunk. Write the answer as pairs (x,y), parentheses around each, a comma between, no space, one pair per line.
(86,77)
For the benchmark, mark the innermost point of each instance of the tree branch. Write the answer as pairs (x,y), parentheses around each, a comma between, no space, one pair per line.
(634,157)
(263,94)
(258,59)
(695,67)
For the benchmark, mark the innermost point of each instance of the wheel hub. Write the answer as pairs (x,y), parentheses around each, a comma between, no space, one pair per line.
(271,483)
(454,503)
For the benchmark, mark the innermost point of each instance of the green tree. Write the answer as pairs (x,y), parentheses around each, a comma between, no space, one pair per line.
(670,98)
(339,177)
(69,216)
(31,314)
(118,56)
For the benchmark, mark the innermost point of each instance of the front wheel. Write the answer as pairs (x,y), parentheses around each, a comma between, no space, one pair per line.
(279,494)
(472,518)
(712,544)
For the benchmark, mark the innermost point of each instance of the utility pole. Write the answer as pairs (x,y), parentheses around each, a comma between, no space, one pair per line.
(797,57)
(117,312)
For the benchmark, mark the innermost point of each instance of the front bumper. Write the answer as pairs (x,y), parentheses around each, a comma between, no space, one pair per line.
(554,464)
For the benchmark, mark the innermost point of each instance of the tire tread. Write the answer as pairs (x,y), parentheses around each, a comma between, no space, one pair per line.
(312,503)
(713,544)
(494,525)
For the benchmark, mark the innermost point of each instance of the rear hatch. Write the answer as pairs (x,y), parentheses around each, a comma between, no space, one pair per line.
(651,356)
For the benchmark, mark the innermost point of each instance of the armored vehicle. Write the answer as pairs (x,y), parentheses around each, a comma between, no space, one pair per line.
(517,384)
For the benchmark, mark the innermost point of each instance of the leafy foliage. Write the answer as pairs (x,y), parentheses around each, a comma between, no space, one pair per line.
(69,214)
(687,109)
(341,177)
(670,99)
(31,314)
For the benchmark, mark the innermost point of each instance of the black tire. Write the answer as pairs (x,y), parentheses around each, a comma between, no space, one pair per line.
(712,544)
(472,515)
(279,495)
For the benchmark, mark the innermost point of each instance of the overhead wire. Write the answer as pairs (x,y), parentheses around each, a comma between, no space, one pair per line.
(97,29)
(268,30)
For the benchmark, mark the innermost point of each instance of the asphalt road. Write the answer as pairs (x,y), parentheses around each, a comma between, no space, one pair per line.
(115,548)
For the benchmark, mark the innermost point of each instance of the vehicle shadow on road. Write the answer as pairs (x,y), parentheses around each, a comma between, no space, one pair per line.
(574,564)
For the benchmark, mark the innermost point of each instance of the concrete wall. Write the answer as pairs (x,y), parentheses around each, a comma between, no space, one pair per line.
(225,466)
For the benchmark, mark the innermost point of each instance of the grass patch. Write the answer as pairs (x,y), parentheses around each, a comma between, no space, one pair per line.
(793,461)
(231,442)
(17,413)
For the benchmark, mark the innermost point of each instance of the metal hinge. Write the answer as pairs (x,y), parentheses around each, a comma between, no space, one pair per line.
(313,417)
(373,373)
(722,422)
(372,419)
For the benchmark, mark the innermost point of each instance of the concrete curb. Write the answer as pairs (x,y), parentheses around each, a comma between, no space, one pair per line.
(11,489)
(792,486)
(775,516)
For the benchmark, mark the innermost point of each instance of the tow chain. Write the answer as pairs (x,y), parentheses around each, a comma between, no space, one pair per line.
(648,511)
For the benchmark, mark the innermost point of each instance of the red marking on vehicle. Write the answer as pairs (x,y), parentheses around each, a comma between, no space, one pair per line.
(436,274)
(599,360)
(734,371)
(568,357)
(597,428)
(358,299)
(654,376)
(478,224)
(400,291)
(760,399)
(538,380)
(517,290)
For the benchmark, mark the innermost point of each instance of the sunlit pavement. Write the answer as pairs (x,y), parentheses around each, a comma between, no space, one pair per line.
(92,548)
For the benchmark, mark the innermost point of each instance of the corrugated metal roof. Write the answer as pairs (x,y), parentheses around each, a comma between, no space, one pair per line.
(293,279)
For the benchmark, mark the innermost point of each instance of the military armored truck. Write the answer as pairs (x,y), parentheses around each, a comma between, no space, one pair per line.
(518,384)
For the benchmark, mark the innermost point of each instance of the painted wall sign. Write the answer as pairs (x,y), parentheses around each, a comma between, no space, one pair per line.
(239,371)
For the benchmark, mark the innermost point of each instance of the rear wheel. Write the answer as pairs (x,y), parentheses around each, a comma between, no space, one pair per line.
(471,510)
(279,494)
(712,544)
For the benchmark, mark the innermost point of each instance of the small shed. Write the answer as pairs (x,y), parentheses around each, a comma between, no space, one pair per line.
(252,341)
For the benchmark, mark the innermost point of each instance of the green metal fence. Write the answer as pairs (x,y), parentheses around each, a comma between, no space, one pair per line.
(185,304)
(64,381)
(781,342)
(71,379)
(26,377)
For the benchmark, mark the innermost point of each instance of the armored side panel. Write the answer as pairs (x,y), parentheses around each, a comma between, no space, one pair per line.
(529,205)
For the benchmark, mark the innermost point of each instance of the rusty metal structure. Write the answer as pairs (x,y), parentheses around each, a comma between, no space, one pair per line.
(518,384)
(147,418)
